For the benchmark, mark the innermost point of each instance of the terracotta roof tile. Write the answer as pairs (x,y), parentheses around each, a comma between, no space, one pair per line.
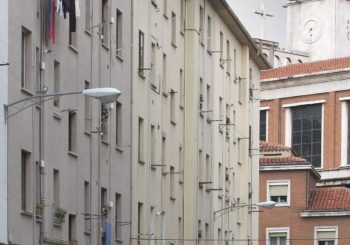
(268,161)
(269,147)
(307,68)
(329,198)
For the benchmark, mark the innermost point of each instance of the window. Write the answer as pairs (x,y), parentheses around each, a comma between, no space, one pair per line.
(38,186)
(119,124)
(228,58)
(72,229)
(182,16)
(172,107)
(181,165)
(276,61)
(172,183)
(164,150)
(26,193)
(200,232)
(221,48)
(235,64)
(182,90)
(153,145)
(277,236)
(209,34)
(105,22)
(279,192)
(57,83)
(326,236)
(201,24)
(154,65)
(88,15)
(141,141)
(200,166)
(263,125)
(118,217)
(165,6)
(219,237)
(348,134)
(180,229)
(104,194)
(141,52)
(119,33)
(37,69)
(72,131)
(72,38)
(307,132)
(105,122)
(139,220)
(207,235)
(87,210)
(219,175)
(287,61)
(221,109)
(207,168)
(164,80)
(87,110)
(208,98)
(201,96)
(26,60)
(173,29)
(56,188)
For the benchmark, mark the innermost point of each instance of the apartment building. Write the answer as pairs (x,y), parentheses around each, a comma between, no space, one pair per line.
(304,214)
(3,127)
(195,114)
(64,186)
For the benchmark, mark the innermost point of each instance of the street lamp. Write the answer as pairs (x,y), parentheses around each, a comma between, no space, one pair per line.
(105,96)
(233,207)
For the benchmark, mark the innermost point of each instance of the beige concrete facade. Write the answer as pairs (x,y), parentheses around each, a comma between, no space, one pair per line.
(195,122)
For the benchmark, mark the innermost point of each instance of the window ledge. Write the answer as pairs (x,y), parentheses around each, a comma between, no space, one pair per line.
(209,52)
(182,107)
(142,74)
(165,16)
(181,182)
(173,122)
(26,213)
(26,91)
(165,94)
(88,32)
(87,232)
(73,154)
(119,148)
(172,198)
(174,45)
(119,57)
(118,241)
(182,32)
(105,46)
(57,224)
(142,162)
(87,133)
(105,142)
(57,115)
(73,48)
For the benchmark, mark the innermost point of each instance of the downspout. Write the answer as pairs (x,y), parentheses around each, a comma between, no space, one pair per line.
(131,120)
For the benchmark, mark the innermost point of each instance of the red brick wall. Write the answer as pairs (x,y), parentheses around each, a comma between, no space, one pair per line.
(332,123)
(300,228)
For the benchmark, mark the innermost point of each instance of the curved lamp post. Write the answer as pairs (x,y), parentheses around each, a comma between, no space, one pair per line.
(233,207)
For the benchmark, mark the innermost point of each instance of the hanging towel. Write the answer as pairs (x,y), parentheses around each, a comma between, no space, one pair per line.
(77,8)
(69,6)
(59,7)
(50,28)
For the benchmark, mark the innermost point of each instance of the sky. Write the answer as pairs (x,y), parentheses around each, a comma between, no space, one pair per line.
(275,27)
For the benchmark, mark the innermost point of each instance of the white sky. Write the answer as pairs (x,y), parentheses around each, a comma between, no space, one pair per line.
(275,27)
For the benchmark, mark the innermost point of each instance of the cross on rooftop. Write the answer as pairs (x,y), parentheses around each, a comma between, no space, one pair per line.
(263,12)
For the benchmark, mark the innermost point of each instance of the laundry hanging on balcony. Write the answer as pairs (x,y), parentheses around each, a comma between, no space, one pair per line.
(61,7)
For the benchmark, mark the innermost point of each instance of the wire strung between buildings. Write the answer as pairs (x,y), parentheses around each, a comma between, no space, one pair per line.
(226,240)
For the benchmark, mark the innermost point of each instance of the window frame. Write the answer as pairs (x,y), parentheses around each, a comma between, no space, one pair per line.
(266,109)
(279,183)
(271,230)
(326,229)
(288,123)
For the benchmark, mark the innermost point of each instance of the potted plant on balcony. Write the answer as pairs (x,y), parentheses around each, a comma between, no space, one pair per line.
(60,215)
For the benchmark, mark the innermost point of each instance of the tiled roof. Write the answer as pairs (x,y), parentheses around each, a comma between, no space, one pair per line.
(282,161)
(269,147)
(307,68)
(329,199)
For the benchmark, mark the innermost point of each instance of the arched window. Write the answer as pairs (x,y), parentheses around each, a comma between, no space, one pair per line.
(276,61)
(287,61)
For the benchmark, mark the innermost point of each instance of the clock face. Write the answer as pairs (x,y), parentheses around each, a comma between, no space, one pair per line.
(311,31)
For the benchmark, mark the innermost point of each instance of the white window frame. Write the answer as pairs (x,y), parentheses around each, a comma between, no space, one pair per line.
(271,230)
(266,108)
(326,229)
(344,131)
(288,122)
(278,182)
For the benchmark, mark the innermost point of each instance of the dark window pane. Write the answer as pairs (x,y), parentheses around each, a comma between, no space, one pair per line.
(296,125)
(307,123)
(317,123)
(297,149)
(306,149)
(316,135)
(306,137)
(316,149)
(296,138)
(316,161)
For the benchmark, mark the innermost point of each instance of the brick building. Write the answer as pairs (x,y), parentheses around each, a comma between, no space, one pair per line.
(306,106)
(304,214)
